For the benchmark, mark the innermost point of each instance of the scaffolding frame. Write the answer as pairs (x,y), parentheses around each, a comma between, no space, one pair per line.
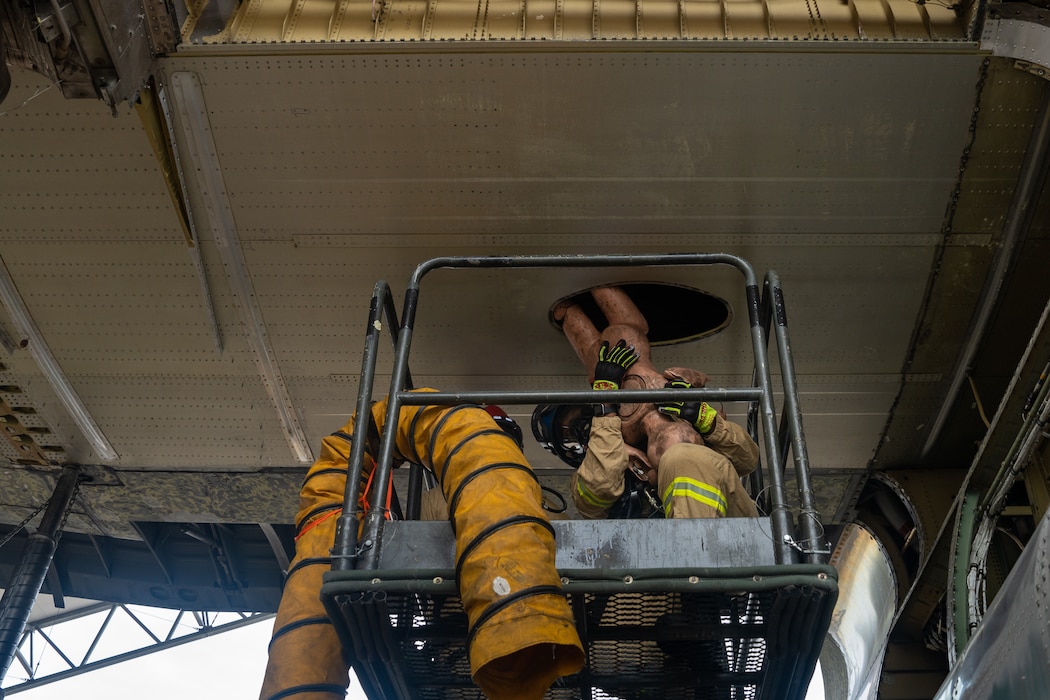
(398,618)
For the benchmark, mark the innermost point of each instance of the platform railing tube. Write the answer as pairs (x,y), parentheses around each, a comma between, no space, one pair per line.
(25,584)
(345,546)
(778,514)
(809,520)
(373,527)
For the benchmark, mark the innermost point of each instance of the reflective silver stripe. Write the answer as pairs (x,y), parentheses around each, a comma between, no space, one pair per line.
(697,490)
(589,496)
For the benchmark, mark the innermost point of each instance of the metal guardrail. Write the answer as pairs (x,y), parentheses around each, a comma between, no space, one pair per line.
(763,310)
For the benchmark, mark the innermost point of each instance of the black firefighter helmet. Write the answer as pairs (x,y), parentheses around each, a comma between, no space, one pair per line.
(564,430)
(506,423)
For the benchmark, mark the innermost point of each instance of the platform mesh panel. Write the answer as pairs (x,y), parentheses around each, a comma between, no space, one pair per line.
(695,646)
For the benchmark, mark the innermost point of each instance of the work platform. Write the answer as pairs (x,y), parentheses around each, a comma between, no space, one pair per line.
(714,609)
(730,624)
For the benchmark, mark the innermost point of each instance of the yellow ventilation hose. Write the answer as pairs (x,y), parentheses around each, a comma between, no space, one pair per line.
(521,632)
(306,660)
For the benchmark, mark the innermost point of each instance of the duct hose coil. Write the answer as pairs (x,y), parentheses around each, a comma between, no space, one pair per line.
(521,631)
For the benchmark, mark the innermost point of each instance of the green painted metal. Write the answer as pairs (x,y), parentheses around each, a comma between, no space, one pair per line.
(960,565)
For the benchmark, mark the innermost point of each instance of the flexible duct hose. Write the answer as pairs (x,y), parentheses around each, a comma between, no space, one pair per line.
(306,660)
(521,632)
(522,636)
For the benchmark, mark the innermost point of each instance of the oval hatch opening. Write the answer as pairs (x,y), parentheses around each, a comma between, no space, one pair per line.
(676,313)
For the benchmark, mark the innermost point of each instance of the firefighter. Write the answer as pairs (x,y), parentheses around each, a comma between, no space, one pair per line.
(698,477)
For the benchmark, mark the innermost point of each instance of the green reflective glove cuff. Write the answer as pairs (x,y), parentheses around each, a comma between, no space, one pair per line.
(600,384)
(705,421)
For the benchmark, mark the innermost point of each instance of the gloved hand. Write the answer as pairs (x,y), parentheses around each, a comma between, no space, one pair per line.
(699,414)
(613,363)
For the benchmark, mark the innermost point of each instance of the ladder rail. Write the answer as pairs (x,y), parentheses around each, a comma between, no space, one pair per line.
(346,553)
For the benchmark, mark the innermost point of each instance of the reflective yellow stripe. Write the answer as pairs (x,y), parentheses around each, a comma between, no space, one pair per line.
(587,495)
(696,490)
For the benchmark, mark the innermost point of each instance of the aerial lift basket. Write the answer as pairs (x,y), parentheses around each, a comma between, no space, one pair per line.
(726,608)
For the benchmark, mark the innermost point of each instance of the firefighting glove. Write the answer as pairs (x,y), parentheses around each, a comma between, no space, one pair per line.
(613,364)
(699,414)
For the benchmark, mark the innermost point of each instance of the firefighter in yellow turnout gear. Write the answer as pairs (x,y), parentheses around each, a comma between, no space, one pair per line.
(695,479)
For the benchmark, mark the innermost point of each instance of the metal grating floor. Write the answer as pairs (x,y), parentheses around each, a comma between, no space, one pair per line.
(710,645)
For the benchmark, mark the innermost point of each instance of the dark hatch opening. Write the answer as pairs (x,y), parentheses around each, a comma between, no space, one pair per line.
(676,313)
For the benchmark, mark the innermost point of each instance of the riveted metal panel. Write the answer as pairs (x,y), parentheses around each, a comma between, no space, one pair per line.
(341,170)
(345,169)
(426,20)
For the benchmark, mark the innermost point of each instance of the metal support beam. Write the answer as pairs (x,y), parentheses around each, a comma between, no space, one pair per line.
(24,587)
(1030,184)
(217,214)
(101,622)
(996,454)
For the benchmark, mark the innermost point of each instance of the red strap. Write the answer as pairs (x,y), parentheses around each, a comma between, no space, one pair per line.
(362,500)
(317,521)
